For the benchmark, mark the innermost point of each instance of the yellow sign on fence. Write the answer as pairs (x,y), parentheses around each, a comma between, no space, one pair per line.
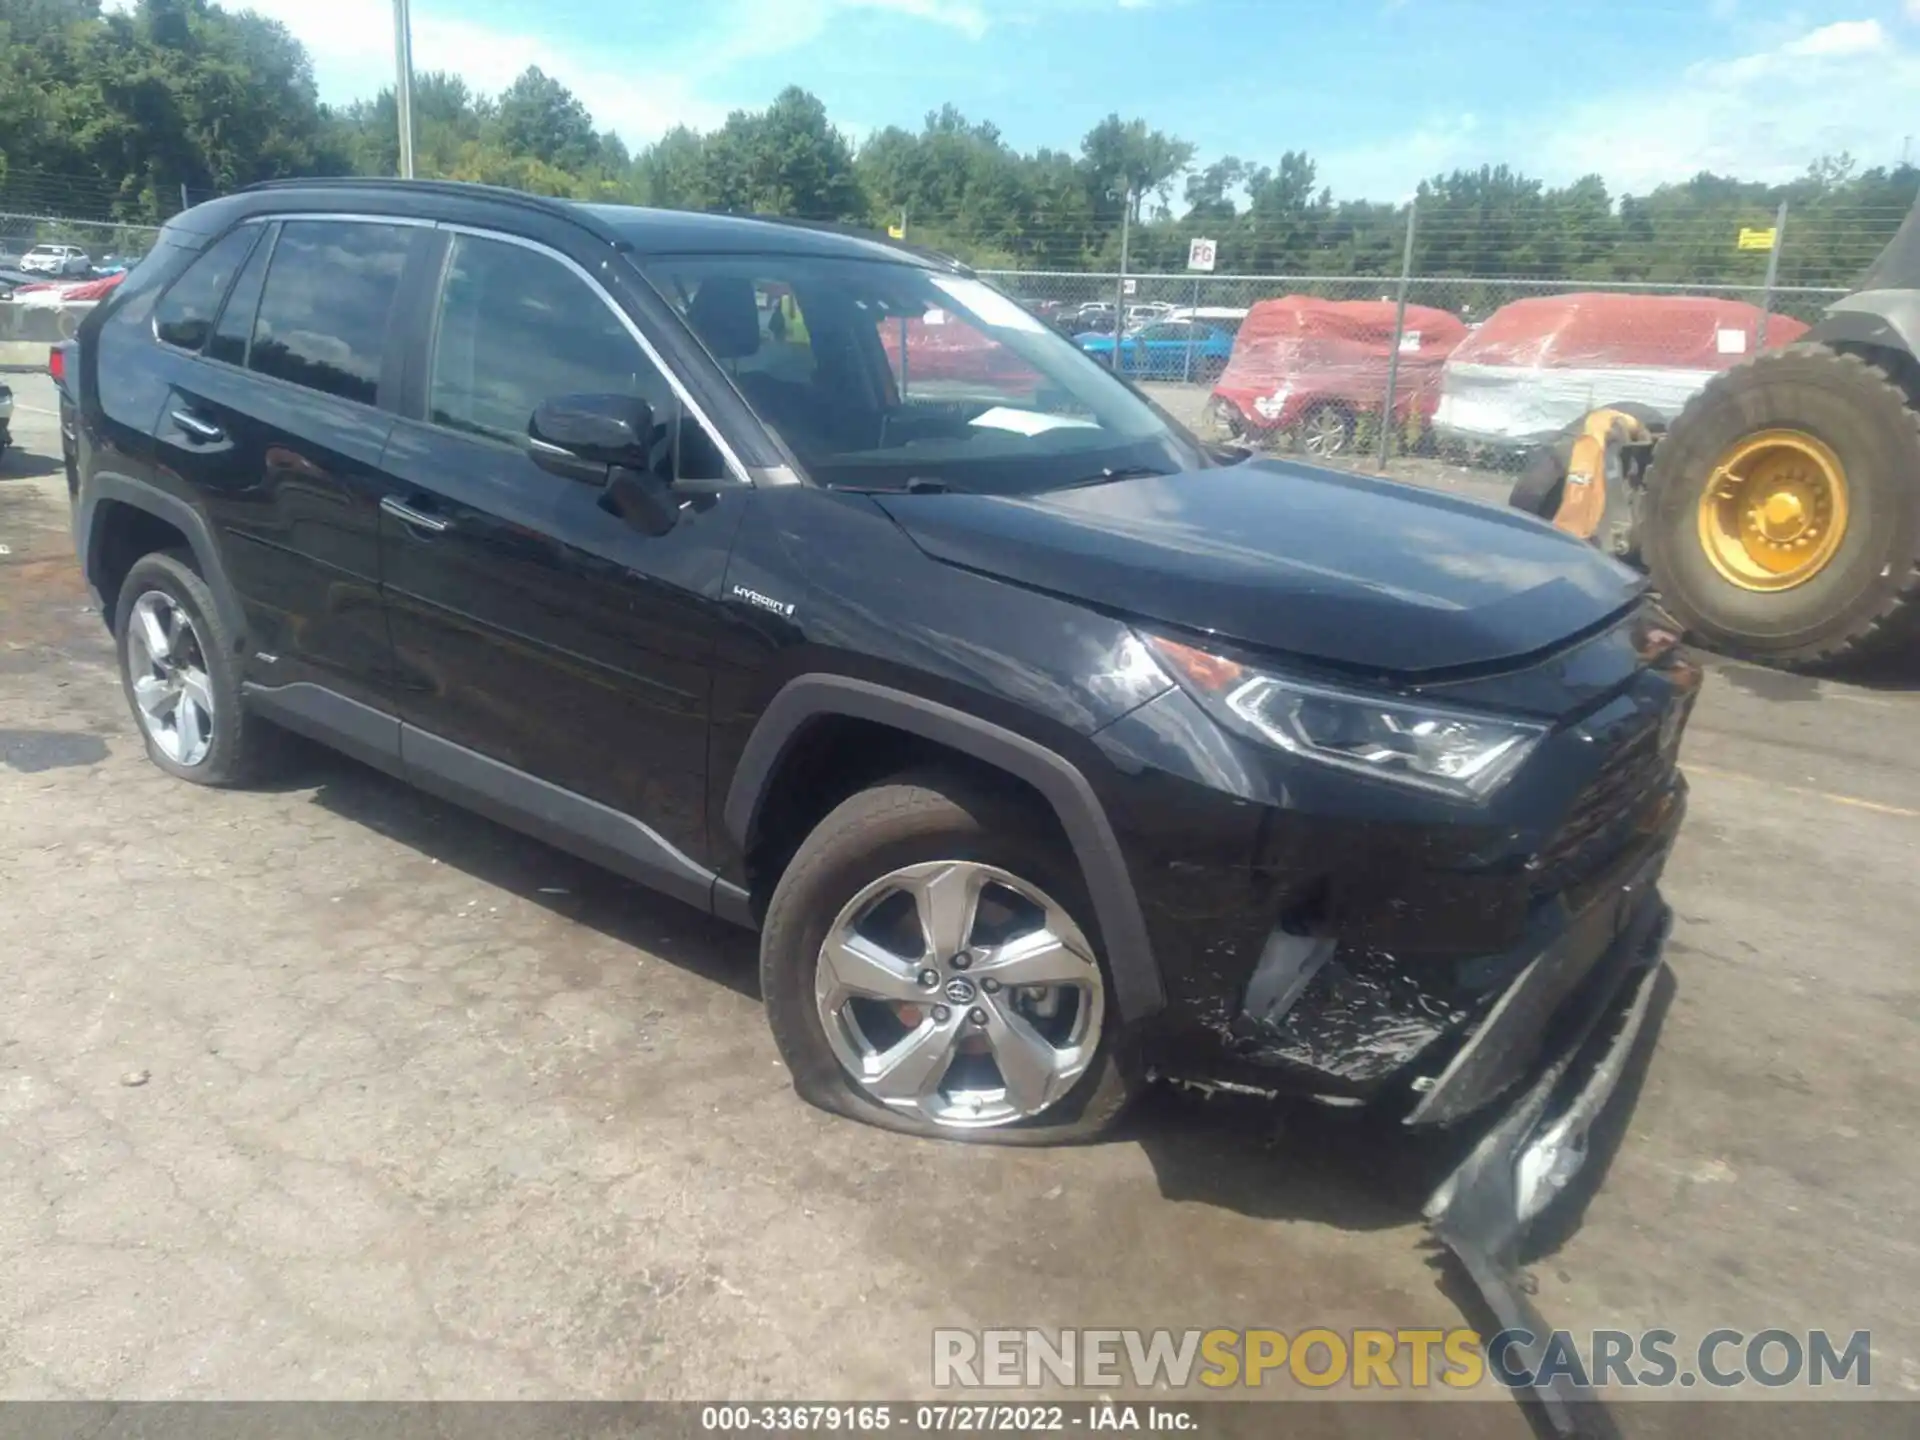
(1756,239)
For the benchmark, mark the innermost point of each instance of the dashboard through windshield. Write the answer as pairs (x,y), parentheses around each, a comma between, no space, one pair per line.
(879,375)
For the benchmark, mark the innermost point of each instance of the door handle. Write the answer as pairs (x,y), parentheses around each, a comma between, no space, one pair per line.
(418,519)
(205,431)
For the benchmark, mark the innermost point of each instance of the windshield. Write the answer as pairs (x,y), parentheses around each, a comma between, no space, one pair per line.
(881,375)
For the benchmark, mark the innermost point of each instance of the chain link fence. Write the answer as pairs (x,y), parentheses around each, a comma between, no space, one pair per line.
(1474,373)
(1465,340)
(92,250)
(102,242)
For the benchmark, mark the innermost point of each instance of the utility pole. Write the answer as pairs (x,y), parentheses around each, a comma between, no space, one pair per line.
(1399,334)
(1120,299)
(403,84)
(1773,275)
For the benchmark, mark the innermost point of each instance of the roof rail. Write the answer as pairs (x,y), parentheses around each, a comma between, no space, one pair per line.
(864,232)
(562,209)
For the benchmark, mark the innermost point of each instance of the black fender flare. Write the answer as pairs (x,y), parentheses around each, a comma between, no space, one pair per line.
(1877,319)
(140,495)
(1136,975)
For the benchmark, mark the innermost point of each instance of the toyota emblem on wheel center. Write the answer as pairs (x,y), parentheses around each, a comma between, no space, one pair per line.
(959,990)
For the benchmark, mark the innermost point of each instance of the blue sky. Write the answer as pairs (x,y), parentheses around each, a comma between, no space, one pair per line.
(1381,92)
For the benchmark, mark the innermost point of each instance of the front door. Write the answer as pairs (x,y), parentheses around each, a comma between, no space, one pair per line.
(546,649)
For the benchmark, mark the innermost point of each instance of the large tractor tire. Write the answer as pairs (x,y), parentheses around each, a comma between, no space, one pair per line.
(1783,510)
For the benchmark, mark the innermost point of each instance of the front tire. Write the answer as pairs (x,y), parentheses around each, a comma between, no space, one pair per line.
(1783,521)
(181,678)
(930,966)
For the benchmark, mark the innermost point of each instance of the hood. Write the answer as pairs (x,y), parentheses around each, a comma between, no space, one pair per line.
(1345,569)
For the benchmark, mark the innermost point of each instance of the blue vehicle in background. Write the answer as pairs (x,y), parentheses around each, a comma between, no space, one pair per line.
(1166,350)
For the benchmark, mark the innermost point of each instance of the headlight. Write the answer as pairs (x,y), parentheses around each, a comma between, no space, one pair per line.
(1454,752)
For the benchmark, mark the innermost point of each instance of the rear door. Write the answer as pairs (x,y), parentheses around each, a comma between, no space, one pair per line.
(533,627)
(274,415)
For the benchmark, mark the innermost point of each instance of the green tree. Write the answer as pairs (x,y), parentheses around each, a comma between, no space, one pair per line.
(539,117)
(1125,156)
(784,160)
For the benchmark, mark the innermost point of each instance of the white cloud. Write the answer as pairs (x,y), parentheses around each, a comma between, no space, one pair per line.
(638,92)
(970,20)
(1843,37)
(1389,169)
(1764,116)
(351,42)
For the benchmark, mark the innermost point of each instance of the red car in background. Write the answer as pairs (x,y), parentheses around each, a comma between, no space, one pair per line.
(1314,367)
(941,348)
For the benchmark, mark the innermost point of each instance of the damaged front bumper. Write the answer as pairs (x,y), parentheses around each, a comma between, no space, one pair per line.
(1529,1157)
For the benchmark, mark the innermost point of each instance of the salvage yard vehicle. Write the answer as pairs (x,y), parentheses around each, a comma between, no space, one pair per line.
(1165,350)
(1539,364)
(57,260)
(1310,369)
(1779,514)
(1048,750)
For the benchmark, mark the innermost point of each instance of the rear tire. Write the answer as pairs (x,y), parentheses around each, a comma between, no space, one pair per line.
(919,820)
(1866,598)
(212,740)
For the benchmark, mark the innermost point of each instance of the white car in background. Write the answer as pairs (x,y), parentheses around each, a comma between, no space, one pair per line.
(56,260)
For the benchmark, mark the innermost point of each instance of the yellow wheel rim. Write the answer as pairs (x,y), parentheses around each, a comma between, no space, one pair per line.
(1774,511)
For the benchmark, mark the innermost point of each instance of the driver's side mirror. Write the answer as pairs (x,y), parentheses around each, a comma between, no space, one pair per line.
(606,440)
(582,432)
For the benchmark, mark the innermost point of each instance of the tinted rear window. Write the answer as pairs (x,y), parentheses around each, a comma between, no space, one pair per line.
(185,316)
(236,320)
(323,316)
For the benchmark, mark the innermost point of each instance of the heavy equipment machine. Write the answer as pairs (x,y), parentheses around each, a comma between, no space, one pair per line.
(1779,514)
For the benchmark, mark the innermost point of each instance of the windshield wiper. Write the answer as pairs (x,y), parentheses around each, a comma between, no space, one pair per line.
(1112,472)
(912,485)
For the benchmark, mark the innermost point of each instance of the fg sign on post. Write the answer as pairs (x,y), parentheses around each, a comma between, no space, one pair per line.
(1200,255)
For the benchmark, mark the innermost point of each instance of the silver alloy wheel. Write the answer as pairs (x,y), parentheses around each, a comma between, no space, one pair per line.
(1324,432)
(167,665)
(961,992)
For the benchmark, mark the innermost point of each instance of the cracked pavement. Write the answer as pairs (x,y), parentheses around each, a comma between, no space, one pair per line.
(331,1090)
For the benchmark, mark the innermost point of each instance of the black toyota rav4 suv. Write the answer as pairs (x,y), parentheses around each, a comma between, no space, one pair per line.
(812,581)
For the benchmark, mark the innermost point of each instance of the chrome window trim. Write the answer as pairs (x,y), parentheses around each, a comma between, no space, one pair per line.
(740,471)
(220,301)
(246,368)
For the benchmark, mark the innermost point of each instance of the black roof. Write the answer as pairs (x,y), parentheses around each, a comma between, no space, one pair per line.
(635,228)
(671,232)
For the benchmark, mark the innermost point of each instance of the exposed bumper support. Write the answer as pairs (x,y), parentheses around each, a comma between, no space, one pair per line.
(1482,1210)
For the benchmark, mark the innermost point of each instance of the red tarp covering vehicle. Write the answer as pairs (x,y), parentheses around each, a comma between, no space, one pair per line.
(1321,364)
(1541,363)
(943,347)
(68,292)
